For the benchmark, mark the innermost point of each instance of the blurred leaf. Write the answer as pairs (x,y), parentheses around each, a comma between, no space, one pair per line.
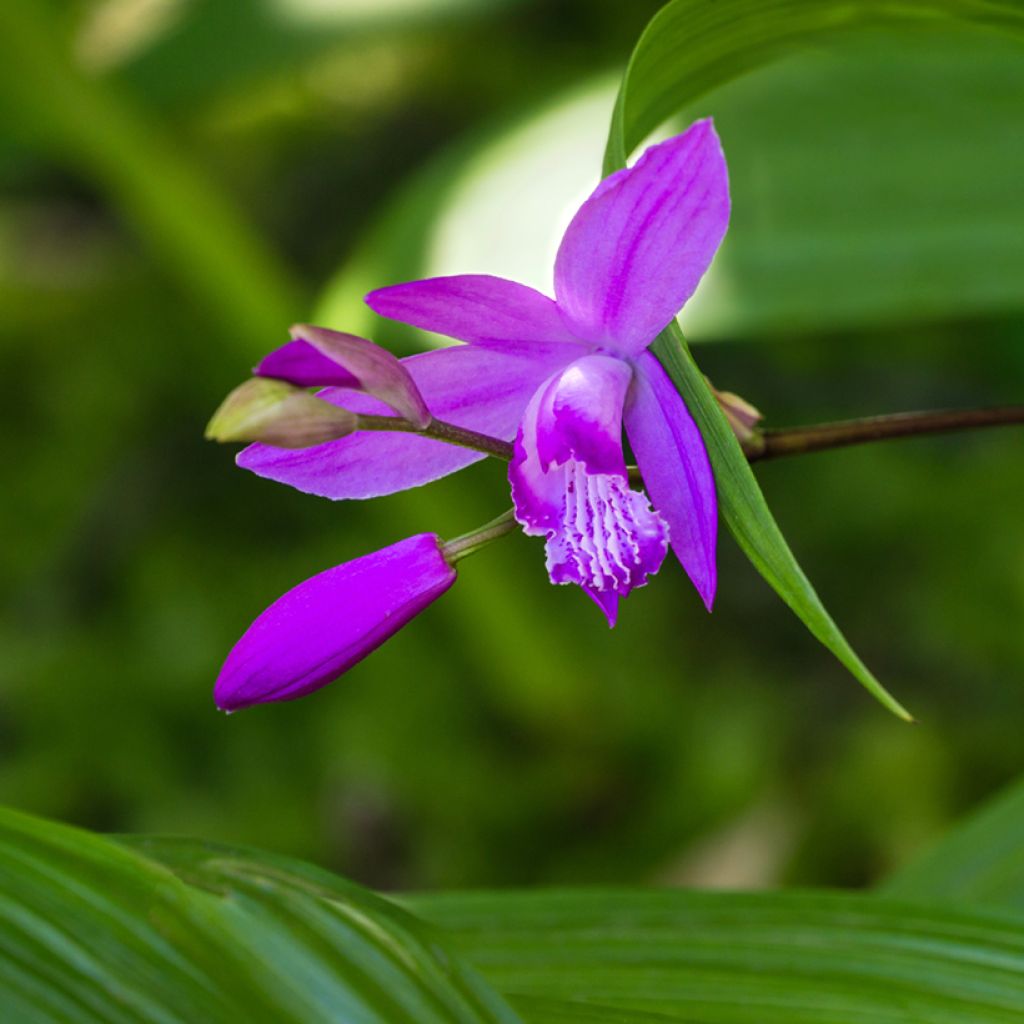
(192,227)
(727,958)
(93,932)
(874,180)
(853,202)
(689,47)
(980,861)
(187,62)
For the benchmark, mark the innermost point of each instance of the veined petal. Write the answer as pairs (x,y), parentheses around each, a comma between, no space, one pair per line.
(477,308)
(675,469)
(569,484)
(637,248)
(299,363)
(476,388)
(324,626)
(320,357)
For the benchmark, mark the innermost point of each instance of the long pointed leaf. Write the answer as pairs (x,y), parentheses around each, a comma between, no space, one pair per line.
(747,515)
(688,48)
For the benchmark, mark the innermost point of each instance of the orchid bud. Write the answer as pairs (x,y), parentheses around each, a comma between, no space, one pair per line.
(324,626)
(279,414)
(742,416)
(318,357)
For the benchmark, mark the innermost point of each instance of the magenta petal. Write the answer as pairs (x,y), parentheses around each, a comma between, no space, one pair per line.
(299,363)
(637,248)
(324,626)
(477,308)
(675,469)
(320,357)
(477,388)
(569,484)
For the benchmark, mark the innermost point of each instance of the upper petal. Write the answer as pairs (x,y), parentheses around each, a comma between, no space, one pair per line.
(476,388)
(569,484)
(675,469)
(637,248)
(322,627)
(476,308)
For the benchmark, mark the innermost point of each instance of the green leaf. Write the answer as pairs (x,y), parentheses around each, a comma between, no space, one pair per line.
(187,62)
(173,931)
(211,249)
(982,860)
(727,958)
(747,515)
(688,48)
(92,931)
(854,204)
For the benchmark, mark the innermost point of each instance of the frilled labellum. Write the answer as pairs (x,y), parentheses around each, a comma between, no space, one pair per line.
(324,626)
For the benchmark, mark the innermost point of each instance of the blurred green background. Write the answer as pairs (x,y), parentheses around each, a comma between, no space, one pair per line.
(180,181)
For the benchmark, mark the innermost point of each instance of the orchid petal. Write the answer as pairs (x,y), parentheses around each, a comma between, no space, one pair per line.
(299,363)
(327,624)
(477,308)
(476,388)
(569,484)
(318,357)
(675,469)
(637,248)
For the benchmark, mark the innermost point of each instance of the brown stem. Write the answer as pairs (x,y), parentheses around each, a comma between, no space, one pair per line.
(442,431)
(774,444)
(768,444)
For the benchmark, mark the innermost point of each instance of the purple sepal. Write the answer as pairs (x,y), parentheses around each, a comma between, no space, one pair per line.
(676,470)
(569,484)
(476,308)
(636,249)
(299,363)
(325,625)
(319,357)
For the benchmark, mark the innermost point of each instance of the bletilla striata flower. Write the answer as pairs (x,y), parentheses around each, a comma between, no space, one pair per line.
(562,377)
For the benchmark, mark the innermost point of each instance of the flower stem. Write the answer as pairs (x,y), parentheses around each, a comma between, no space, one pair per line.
(442,431)
(774,444)
(767,444)
(460,547)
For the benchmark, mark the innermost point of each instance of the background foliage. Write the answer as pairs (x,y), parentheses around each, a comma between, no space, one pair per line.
(169,205)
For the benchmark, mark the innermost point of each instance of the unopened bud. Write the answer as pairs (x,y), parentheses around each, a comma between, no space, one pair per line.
(324,626)
(742,416)
(279,414)
(317,356)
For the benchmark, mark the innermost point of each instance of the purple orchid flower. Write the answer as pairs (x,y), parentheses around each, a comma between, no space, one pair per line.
(562,377)
(328,623)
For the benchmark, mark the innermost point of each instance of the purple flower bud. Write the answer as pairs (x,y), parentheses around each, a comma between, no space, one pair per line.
(325,625)
(319,357)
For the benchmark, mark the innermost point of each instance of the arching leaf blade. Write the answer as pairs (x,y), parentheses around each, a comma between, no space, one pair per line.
(749,519)
(95,932)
